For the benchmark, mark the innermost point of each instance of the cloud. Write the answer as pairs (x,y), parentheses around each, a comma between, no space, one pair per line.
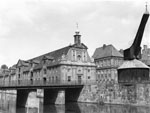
(29,28)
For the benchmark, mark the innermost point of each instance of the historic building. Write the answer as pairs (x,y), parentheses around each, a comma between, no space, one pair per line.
(70,64)
(146,55)
(107,59)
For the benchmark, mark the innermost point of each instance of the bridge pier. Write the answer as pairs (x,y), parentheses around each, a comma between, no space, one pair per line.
(54,96)
(73,94)
(23,96)
(60,97)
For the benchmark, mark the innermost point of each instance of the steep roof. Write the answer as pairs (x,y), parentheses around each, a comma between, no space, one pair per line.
(54,54)
(106,51)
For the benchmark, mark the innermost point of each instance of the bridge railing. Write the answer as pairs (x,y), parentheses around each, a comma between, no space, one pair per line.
(20,83)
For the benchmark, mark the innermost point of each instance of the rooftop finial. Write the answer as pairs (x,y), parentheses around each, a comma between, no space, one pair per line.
(146,11)
(77,30)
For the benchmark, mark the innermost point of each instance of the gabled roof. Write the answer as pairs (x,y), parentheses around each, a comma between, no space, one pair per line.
(22,63)
(106,51)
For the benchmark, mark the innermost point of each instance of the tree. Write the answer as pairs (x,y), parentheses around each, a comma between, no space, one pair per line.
(4,67)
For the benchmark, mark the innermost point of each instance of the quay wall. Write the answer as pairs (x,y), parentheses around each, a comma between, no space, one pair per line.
(136,94)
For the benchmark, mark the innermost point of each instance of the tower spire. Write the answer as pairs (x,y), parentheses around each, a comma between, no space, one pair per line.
(77,29)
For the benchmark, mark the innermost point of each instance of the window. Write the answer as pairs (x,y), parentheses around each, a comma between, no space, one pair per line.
(44,61)
(52,78)
(19,69)
(69,78)
(45,71)
(109,75)
(100,63)
(31,74)
(84,56)
(68,70)
(73,55)
(56,79)
(89,77)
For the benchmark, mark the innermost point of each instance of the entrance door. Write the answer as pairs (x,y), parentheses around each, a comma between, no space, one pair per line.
(79,79)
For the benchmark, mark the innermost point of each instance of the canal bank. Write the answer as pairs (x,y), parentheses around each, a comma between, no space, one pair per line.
(137,94)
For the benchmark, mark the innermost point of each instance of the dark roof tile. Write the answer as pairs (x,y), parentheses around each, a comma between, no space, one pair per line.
(54,54)
(106,51)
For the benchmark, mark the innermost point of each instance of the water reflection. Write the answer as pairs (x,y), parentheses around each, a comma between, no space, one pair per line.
(94,108)
(7,103)
(35,105)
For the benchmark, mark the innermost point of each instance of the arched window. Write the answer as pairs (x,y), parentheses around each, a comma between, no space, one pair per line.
(79,57)
(73,55)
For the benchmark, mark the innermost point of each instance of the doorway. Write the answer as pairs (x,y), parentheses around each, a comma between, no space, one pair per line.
(44,80)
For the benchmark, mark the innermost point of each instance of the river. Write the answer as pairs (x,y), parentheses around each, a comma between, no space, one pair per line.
(8,105)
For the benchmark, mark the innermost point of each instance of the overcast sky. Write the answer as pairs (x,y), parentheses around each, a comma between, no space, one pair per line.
(29,28)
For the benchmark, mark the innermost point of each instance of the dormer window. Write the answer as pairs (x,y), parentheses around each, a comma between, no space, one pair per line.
(79,57)
(45,71)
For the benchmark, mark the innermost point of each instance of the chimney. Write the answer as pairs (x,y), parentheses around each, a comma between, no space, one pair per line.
(145,47)
(104,45)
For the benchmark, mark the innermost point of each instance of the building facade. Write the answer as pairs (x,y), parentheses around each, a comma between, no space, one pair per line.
(71,64)
(146,55)
(107,59)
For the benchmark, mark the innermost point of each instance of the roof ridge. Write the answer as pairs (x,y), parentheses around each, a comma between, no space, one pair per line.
(49,53)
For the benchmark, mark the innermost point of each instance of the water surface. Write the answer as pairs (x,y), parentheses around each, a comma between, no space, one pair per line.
(35,105)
